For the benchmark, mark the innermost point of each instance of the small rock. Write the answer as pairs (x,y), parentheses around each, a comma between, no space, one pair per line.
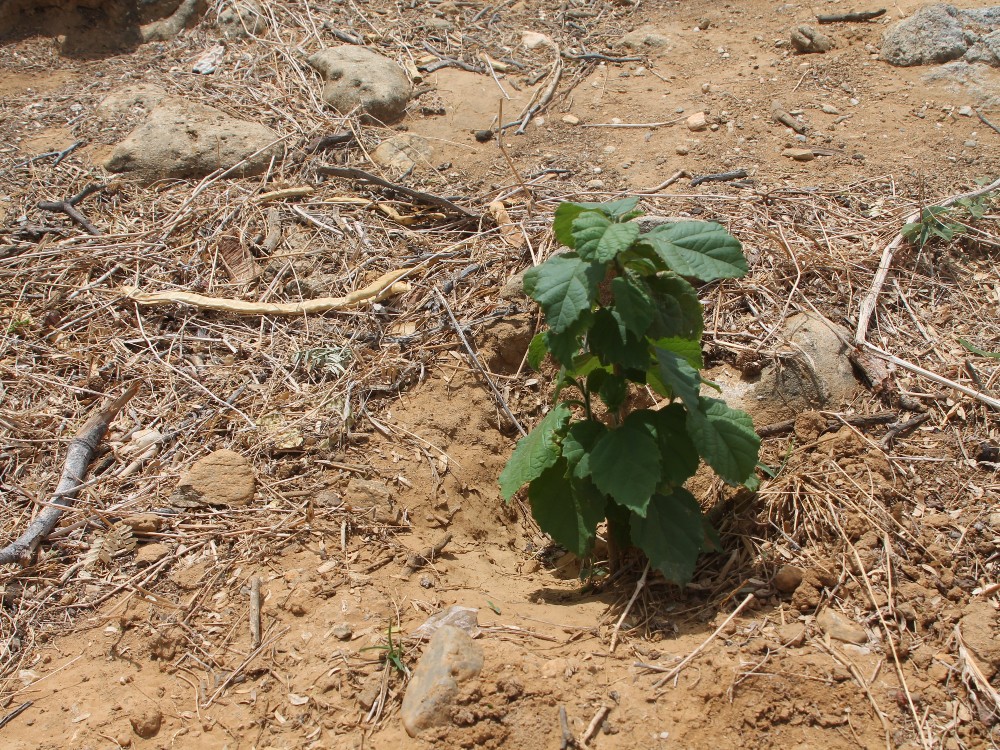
(571,119)
(787,579)
(595,184)
(706,87)
(841,628)
(403,152)
(697,121)
(971,144)
(342,632)
(366,493)
(792,634)
(854,101)
(830,109)
(452,658)
(648,37)
(149,554)
(805,39)
(187,139)
(994,520)
(682,150)
(799,154)
(358,79)
(146,722)
(223,477)
(966,111)
(144,523)
(484,136)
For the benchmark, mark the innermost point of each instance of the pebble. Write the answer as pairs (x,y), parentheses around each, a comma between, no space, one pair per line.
(966,111)
(683,150)
(571,119)
(830,109)
(595,184)
(970,144)
(342,632)
(854,102)
(840,628)
(697,121)
(706,87)
(799,154)
(146,722)
(788,578)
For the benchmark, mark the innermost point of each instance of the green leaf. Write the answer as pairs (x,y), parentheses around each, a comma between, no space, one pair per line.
(634,301)
(700,250)
(613,389)
(677,310)
(976,350)
(679,455)
(565,287)
(680,378)
(567,509)
(611,341)
(725,438)
(625,464)
(671,534)
(562,223)
(688,350)
(535,452)
(537,350)
(578,444)
(597,239)
(565,345)
(613,209)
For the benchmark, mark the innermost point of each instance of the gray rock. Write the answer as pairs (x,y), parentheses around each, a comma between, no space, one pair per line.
(817,372)
(186,139)
(644,38)
(972,82)
(241,19)
(358,79)
(940,33)
(841,628)
(366,493)
(223,477)
(806,39)
(452,657)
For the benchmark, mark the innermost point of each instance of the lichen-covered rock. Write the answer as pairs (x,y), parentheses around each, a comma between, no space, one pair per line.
(182,139)
(362,81)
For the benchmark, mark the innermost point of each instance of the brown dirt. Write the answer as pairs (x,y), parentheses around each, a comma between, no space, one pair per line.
(900,538)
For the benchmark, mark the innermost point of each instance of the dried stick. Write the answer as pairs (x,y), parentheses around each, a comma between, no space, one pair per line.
(858,16)
(510,163)
(973,674)
(628,607)
(15,713)
(690,657)
(595,723)
(79,454)
(871,299)
(360,174)
(543,101)
(668,182)
(489,381)
(68,207)
(739,174)
(568,740)
(986,122)
(384,286)
(254,611)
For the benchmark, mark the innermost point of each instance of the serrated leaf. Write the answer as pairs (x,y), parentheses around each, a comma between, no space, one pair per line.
(578,444)
(565,345)
(725,438)
(688,350)
(625,464)
(537,350)
(611,341)
(679,455)
(566,509)
(597,239)
(535,452)
(700,250)
(565,287)
(677,310)
(671,534)
(562,223)
(633,302)
(680,378)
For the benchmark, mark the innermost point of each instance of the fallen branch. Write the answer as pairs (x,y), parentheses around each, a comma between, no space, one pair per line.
(858,16)
(79,454)
(739,174)
(69,208)
(385,286)
(360,174)
(628,607)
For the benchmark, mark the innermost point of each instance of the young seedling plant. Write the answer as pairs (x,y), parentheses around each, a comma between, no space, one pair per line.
(621,313)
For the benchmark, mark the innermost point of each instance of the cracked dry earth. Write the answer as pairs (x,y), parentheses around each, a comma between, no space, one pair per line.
(897,539)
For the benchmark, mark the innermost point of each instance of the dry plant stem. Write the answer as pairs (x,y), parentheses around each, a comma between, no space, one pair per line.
(973,674)
(543,101)
(78,457)
(68,207)
(986,122)
(360,174)
(255,612)
(674,671)
(668,182)
(628,607)
(236,672)
(15,713)
(386,285)
(510,163)
(489,381)
(595,724)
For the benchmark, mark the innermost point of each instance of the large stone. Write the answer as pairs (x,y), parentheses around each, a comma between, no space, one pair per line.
(940,33)
(135,100)
(452,658)
(362,81)
(223,477)
(186,139)
(242,18)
